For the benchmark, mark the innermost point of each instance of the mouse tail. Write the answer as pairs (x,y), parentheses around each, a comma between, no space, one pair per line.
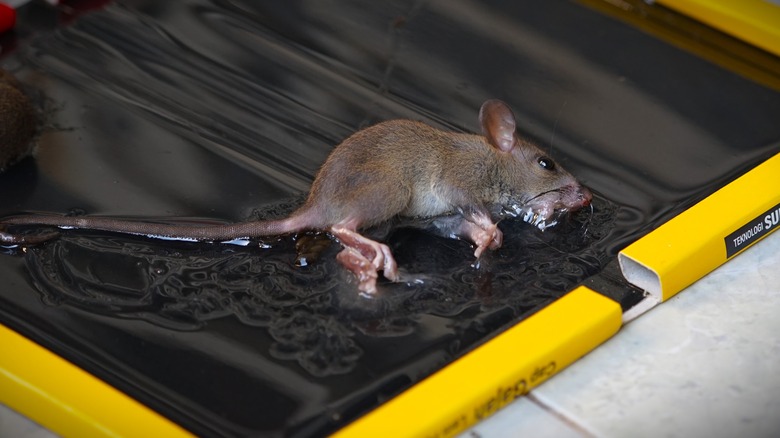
(188,231)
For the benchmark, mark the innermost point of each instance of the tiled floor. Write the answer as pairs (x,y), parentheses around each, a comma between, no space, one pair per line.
(705,363)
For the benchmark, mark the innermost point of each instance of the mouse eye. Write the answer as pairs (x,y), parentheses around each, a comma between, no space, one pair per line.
(546,163)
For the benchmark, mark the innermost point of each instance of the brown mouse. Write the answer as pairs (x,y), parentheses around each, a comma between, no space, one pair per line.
(18,122)
(398,168)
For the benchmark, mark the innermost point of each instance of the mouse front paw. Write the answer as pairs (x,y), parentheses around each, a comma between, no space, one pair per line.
(485,235)
(488,238)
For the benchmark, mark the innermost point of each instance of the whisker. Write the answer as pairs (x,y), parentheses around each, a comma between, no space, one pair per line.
(588,221)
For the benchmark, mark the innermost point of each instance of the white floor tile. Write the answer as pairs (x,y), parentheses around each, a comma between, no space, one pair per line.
(15,425)
(522,416)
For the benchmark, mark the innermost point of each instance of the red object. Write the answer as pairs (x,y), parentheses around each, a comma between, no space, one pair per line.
(7,18)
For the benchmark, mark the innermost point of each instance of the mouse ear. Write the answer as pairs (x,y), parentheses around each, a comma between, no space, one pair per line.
(498,124)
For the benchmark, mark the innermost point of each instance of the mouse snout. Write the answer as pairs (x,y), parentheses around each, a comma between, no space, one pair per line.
(585,196)
(575,196)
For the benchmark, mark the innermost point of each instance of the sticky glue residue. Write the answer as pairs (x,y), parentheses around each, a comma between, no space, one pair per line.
(313,313)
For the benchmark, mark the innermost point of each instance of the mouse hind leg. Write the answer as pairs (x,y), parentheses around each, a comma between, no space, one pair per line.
(367,204)
(364,257)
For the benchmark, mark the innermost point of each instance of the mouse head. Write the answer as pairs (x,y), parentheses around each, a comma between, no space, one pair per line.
(538,187)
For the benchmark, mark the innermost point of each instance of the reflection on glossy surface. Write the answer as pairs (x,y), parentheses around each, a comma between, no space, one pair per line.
(226,109)
(182,286)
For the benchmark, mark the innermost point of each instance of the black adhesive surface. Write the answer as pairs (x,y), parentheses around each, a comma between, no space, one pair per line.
(226,109)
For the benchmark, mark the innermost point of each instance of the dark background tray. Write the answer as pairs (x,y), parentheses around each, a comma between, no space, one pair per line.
(225,110)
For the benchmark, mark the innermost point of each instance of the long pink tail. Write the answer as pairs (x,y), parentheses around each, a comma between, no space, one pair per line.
(153,229)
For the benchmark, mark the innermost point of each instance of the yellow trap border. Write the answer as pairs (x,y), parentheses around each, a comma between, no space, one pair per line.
(72,402)
(68,400)
(700,239)
(508,366)
(754,21)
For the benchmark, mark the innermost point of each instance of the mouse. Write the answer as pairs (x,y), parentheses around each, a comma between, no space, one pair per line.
(18,122)
(393,169)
